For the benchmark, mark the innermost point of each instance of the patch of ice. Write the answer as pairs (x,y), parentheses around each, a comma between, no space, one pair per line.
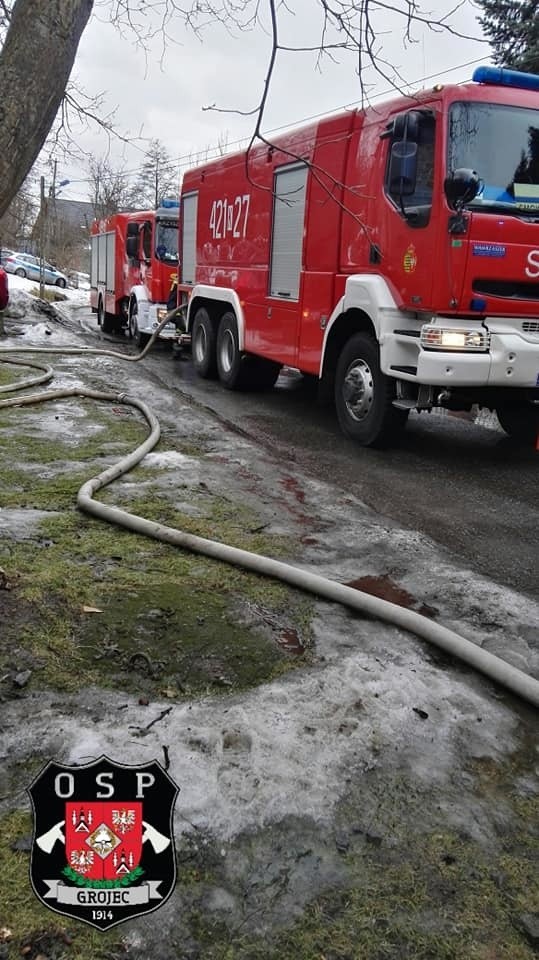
(287,748)
(169,458)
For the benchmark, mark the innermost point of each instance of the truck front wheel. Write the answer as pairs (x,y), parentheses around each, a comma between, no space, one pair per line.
(364,395)
(132,326)
(519,417)
(203,345)
(132,320)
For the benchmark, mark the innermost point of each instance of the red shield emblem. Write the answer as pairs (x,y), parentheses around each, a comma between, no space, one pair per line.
(103,841)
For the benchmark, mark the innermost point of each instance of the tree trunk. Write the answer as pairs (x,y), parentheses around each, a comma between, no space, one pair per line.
(35,64)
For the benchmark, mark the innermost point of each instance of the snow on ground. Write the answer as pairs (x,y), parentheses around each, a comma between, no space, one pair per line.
(374,700)
(23,292)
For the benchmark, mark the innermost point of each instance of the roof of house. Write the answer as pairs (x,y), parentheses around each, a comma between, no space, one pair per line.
(77,213)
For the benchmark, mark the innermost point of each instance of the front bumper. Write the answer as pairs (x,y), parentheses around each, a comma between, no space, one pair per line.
(150,322)
(511,361)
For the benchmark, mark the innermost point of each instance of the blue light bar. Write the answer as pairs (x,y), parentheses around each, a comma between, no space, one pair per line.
(500,77)
(168,204)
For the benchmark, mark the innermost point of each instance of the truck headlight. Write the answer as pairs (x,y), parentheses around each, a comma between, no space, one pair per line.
(473,340)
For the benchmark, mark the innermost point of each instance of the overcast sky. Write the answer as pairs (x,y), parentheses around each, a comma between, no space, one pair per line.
(166,100)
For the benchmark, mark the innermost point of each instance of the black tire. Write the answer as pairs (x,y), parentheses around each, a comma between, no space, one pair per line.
(103,318)
(20,273)
(204,345)
(519,418)
(61,283)
(364,395)
(141,339)
(234,370)
(132,320)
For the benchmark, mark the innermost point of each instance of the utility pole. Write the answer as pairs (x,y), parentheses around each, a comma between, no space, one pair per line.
(52,188)
(51,213)
(156,182)
(42,215)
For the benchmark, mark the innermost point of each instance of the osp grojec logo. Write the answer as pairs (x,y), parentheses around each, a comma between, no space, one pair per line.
(103,844)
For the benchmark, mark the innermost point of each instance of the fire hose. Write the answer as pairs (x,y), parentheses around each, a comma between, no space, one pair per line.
(498,670)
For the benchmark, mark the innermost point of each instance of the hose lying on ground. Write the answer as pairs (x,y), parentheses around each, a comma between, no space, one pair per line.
(491,666)
(28,381)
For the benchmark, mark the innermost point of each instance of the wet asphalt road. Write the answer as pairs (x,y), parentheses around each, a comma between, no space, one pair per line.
(465,486)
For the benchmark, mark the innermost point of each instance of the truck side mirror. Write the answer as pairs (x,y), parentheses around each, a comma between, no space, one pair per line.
(406,126)
(403,168)
(131,247)
(461,187)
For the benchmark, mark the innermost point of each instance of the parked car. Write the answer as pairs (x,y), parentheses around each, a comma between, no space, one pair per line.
(4,291)
(5,253)
(26,265)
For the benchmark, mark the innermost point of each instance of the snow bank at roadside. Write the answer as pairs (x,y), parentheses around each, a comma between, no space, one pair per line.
(24,300)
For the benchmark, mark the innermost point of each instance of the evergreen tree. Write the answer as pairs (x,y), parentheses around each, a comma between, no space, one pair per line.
(158,178)
(512,28)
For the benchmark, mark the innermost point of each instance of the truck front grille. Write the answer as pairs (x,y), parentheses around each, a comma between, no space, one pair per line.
(509,289)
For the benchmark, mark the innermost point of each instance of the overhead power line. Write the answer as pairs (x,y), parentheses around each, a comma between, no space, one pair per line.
(189,160)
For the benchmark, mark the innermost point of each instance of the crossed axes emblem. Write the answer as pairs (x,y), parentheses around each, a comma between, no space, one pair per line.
(47,840)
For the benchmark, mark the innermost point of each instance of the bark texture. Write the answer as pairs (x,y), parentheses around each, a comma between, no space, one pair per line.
(35,64)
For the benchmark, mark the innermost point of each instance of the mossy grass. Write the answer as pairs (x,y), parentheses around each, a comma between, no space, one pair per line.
(435,896)
(188,618)
(11,373)
(28,921)
(97,605)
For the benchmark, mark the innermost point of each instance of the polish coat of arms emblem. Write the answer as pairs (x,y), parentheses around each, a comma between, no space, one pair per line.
(103,847)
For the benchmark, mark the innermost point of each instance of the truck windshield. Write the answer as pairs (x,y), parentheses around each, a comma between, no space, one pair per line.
(501,143)
(166,241)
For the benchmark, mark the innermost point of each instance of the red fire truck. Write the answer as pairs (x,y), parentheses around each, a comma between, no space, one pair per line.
(134,260)
(392,252)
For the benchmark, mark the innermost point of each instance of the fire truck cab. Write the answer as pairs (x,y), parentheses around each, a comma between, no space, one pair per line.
(392,252)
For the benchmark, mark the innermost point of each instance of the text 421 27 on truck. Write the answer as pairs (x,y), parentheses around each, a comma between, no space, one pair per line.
(392,252)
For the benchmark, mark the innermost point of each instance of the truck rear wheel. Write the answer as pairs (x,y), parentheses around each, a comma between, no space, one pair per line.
(519,417)
(364,395)
(235,371)
(103,319)
(228,353)
(204,345)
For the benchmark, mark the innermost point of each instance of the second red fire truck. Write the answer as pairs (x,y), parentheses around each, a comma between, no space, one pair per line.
(134,262)
(391,252)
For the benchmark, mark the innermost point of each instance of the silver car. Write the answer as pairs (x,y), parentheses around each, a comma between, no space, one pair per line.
(26,265)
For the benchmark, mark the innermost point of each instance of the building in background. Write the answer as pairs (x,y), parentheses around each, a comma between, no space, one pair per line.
(65,225)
